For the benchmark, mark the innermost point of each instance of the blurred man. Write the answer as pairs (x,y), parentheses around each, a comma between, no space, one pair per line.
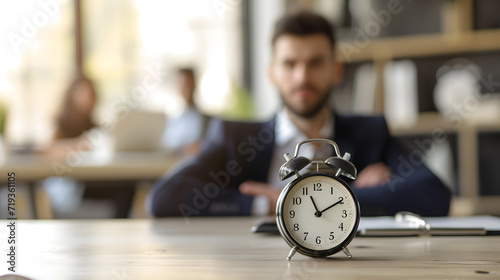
(184,132)
(237,170)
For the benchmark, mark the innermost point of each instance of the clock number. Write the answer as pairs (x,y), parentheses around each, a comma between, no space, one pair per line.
(344,213)
(331,235)
(292,214)
(341,227)
(331,190)
(305,191)
(297,201)
(318,240)
(317,187)
(341,200)
(295,227)
(305,235)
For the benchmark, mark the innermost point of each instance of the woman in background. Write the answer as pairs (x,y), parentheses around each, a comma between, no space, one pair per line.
(72,121)
(94,199)
(78,104)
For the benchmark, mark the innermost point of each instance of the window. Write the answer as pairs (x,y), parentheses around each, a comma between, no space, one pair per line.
(123,41)
(37,54)
(127,40)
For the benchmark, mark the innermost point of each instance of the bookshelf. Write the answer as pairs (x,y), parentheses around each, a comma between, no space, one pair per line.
(458,37)
(428,45)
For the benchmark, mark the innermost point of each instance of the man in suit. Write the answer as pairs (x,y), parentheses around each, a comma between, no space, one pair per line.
(237,170)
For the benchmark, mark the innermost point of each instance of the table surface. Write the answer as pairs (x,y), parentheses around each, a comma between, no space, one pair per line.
(112,166)
(224,248)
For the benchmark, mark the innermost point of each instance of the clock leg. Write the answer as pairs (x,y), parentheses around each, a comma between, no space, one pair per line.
(292,252)
(346,251)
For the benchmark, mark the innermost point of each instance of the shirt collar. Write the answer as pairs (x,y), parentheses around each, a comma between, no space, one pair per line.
(286,129)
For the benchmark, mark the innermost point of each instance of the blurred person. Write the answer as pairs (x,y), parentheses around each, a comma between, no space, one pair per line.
(238,166)
(72,121)
(66,194)
(75,116)
(184,133)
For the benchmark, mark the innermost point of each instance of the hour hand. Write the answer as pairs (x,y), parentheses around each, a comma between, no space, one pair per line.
(317,213)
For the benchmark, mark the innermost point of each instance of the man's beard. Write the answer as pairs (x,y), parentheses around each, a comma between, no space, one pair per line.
(314,110)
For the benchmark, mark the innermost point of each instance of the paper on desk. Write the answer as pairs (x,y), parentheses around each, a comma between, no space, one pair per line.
(487,223)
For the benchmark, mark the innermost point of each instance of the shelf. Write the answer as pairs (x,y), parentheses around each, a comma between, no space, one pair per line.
(457,38)
(427,123)
(434,124)
(423,46)
(484,205)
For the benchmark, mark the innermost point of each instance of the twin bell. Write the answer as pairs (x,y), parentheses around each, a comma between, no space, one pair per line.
(339,165)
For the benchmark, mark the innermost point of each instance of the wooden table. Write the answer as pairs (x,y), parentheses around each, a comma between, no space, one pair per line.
(224,248)
(116,166)
(124,169)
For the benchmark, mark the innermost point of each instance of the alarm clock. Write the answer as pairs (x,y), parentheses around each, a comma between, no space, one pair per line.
(317,213)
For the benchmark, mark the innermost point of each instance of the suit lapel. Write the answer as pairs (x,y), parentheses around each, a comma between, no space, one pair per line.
(263,159)
(342,136)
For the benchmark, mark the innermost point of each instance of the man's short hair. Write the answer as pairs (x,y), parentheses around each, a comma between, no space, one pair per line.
(302,23)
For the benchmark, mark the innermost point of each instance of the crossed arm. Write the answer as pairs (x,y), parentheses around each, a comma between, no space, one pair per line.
(384,188)
(372,176)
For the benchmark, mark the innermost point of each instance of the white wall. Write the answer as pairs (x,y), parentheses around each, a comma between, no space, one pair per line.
(264,14)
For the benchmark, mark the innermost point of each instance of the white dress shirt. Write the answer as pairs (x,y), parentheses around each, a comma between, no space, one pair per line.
(183,130)
(287,136)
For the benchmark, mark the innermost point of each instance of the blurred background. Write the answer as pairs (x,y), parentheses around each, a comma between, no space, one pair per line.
(431,67)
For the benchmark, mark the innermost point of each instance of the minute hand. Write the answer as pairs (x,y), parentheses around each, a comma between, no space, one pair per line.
(331,206)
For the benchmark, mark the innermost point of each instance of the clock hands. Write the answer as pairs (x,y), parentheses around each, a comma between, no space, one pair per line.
(318,213)
(331,206)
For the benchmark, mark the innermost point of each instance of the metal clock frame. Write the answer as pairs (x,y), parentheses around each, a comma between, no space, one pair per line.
(288,237)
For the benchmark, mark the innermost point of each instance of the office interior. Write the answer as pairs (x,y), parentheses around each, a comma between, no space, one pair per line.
(430,67)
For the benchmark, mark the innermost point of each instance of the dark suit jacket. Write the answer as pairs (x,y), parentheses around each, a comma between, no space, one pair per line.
(235,152)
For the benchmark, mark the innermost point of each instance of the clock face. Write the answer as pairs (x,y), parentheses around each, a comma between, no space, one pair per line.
(319,213)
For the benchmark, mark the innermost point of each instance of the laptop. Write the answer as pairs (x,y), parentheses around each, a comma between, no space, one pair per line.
(139,131)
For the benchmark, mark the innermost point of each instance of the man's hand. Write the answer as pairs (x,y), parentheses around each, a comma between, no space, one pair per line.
(253,188)
(373,175)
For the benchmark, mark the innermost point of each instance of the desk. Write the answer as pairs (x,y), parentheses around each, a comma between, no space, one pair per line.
(127,168)
(119,166)
(224,248)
